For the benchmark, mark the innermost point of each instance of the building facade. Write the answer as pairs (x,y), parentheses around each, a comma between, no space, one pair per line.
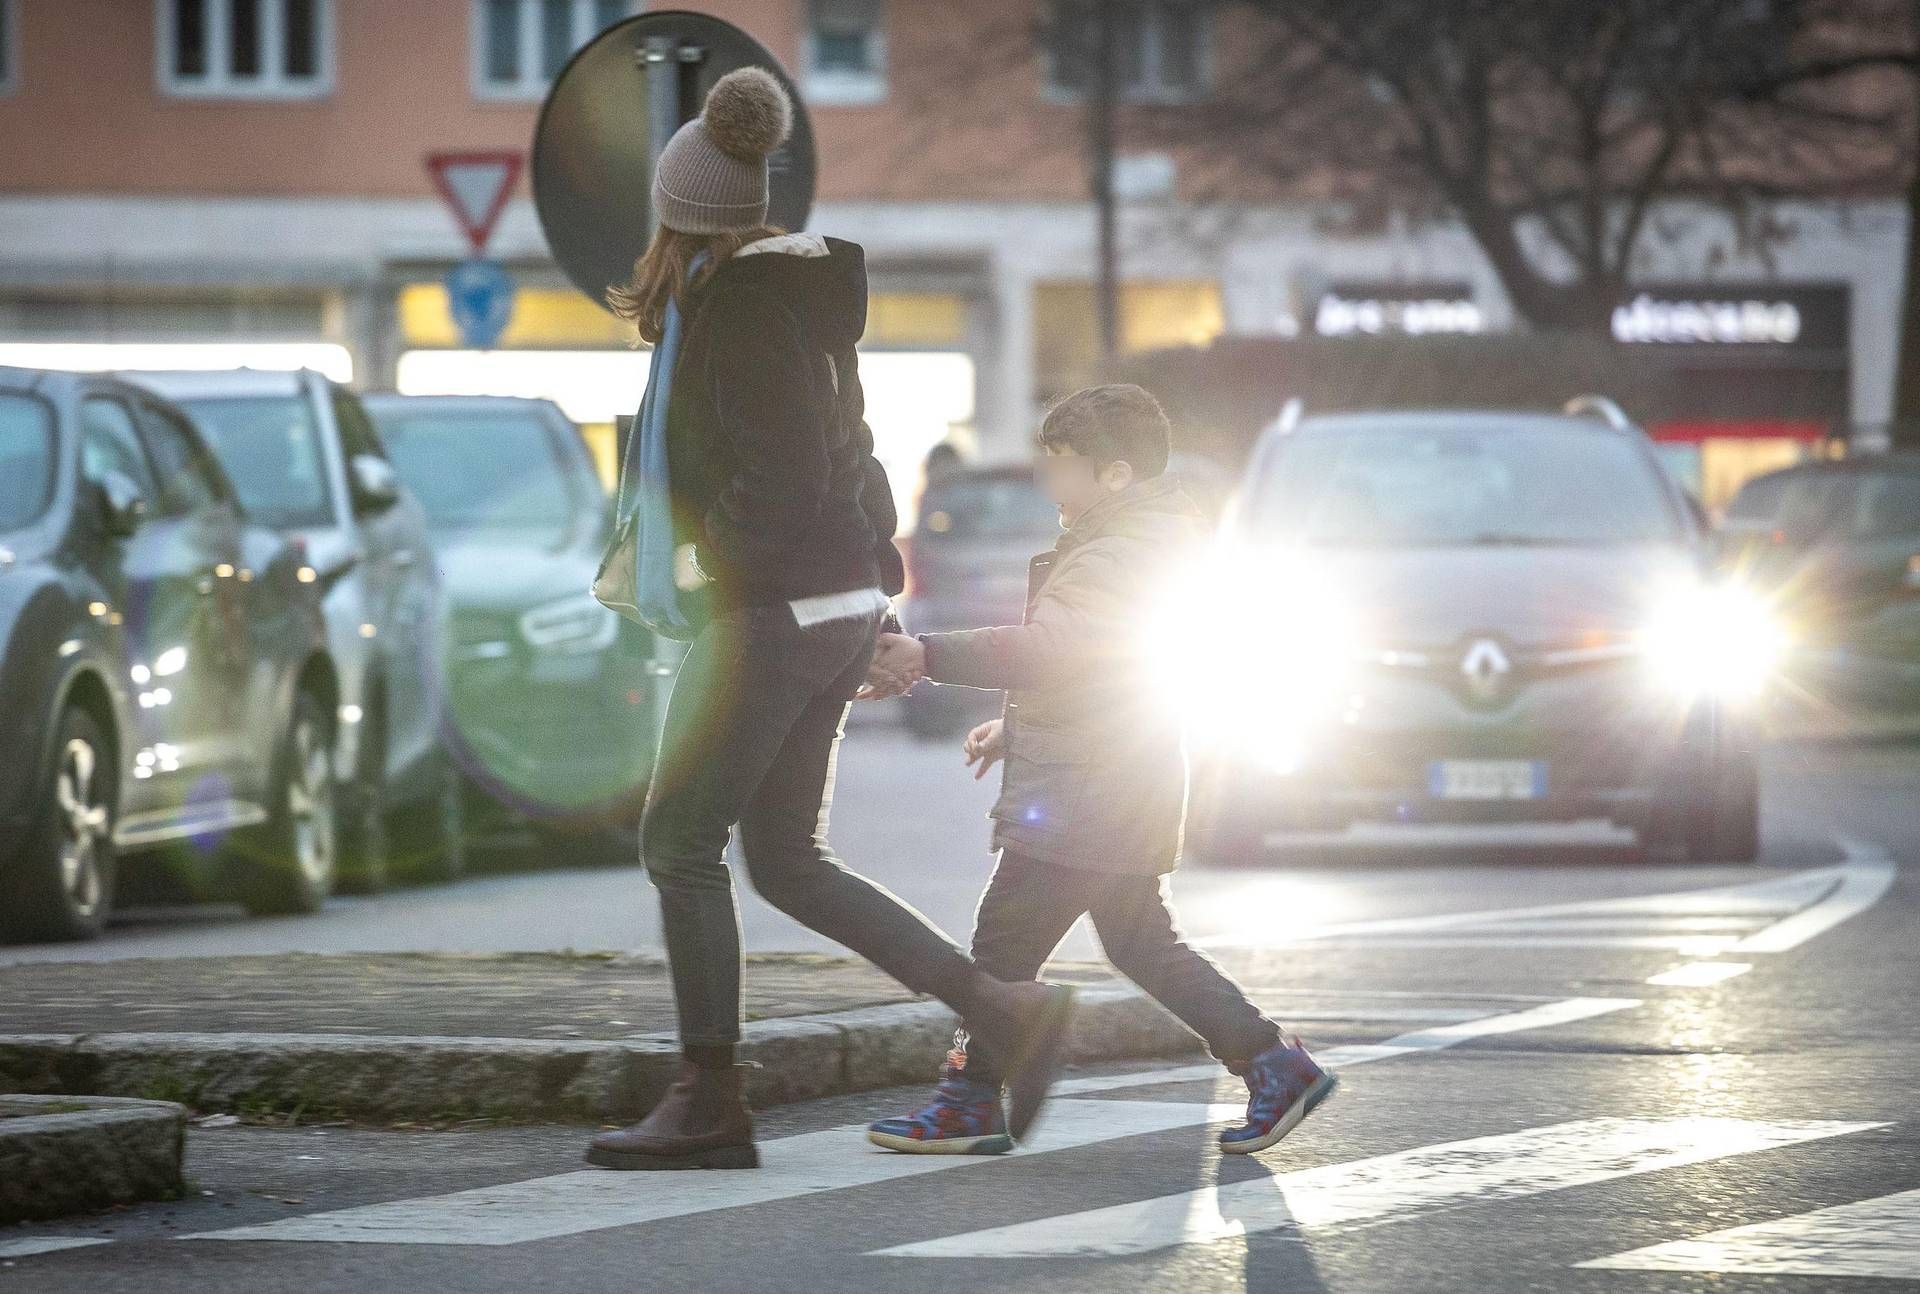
(218,181)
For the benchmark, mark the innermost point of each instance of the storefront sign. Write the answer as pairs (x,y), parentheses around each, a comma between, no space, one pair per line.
(1397,309)
(1801,316)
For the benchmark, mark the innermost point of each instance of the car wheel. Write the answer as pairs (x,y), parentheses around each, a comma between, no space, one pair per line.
(288,863)
(62,881)
(1723,821)
(430,837)
(364,843)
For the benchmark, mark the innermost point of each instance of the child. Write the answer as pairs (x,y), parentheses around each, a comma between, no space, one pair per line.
(1094,786)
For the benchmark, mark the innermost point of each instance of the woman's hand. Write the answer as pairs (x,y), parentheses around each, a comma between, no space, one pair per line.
(986,745)
(898,663)
(687,575)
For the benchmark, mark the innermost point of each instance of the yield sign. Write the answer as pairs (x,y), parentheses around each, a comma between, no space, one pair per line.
(475,187)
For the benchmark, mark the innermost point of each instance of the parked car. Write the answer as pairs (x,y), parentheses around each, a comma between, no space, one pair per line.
(967,567)
(306,460)
(165,679)
(1837,546)
(1474,617)
(550,699)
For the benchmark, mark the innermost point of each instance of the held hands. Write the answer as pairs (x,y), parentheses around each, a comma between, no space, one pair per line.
(898,663)
(985,746)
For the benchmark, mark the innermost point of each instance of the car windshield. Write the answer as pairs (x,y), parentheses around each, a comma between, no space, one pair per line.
(1413,487)
(270,448)
(26,460)
(991,508)
(480,469)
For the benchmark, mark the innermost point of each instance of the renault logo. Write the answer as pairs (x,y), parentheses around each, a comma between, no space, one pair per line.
(1486,666)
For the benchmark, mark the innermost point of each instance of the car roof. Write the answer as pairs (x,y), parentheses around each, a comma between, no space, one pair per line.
(1505,421)
(453,403)
(217,384)
(60,382)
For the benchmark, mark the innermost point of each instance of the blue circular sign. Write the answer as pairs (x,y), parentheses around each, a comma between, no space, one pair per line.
(480,299)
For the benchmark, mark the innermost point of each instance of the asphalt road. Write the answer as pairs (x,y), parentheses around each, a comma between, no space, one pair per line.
(1597,1076)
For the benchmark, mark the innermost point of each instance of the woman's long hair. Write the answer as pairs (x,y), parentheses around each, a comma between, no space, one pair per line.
(660,275)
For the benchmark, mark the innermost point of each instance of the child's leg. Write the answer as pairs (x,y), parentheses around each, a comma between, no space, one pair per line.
(1026,911)
(1135,922)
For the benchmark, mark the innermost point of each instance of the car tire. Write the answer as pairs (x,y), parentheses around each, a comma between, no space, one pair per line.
(363,844)
(1723,821)
(430,835)
(288,863)
(61,883)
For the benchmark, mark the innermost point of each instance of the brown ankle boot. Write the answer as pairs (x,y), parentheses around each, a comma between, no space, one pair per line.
(702,1122)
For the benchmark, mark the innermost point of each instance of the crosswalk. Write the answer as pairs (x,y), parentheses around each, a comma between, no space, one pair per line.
(1876,1237)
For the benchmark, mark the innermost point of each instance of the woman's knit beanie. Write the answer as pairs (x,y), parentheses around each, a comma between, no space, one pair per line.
(712,175)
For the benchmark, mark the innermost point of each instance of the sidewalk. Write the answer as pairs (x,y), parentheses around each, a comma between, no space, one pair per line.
(386,1036)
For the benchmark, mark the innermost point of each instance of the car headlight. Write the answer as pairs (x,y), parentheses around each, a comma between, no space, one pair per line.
(1719,640)
(1252,650)
(575,624)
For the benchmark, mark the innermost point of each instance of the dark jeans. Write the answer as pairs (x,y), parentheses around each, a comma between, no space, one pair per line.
(751,736)
(1028,908)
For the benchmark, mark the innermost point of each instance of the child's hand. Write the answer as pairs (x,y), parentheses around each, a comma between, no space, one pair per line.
(985,745)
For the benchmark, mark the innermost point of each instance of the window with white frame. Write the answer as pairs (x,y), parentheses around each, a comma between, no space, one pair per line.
(519,46)
(1162,48)
(846,50)
(270,49)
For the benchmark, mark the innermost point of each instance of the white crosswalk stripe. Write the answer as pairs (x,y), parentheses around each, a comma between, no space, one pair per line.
(1877,1237)
(834,1159)
(1768,916)
(1397,1186)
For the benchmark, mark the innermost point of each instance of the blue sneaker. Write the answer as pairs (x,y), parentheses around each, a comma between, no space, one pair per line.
(1283,1086)
(963,1118)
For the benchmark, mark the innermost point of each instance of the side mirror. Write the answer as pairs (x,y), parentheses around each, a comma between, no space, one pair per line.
(375,485)
(122,503)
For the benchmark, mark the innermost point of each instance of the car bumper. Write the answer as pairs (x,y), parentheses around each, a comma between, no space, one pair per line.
(1600,747)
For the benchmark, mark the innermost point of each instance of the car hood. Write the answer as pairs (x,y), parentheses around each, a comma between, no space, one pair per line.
(512,569)
(1531,597)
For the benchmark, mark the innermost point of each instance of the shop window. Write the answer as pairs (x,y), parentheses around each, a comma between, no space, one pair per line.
(1154,315)
(519,46)
(9,45)
(267,49)
(1161,48)
(846,51)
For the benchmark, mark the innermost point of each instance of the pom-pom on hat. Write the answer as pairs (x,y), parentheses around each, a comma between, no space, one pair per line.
(712,176)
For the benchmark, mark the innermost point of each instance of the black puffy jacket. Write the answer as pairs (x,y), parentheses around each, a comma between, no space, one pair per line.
(769,455)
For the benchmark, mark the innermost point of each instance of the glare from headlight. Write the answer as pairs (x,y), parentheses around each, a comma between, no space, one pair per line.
(575,623)
(1719,640)
(1252,649)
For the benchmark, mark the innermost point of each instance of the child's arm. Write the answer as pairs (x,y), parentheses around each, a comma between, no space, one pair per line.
(1081,612)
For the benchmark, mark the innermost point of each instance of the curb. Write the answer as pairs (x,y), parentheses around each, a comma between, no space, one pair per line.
(800,1058)
(61,1155)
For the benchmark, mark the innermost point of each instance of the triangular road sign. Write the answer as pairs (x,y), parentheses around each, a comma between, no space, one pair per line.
(475,187)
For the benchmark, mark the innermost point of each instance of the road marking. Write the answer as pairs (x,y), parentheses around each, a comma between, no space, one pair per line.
(1405,1184)
(594,1200)
(46,1245)
(833,1159)
(1436,1039)
(1699,974)
(1878,1237)
(1858,885)
(1767,916)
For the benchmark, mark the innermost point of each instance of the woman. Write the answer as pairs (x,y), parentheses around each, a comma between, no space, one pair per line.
(783,524)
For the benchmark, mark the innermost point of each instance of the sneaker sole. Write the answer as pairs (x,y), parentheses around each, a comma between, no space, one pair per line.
(998,1143)
(1028,1082)
(1296,1112)
(631,1161)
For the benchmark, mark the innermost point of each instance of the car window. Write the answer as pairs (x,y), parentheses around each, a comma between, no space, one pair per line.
(108,443)
(270,449)
(357,435)
(964,508)
(1458,485)
(1814,504)
(26,460)
(1887,505)
(188,480)
(475,468)
(1759,499)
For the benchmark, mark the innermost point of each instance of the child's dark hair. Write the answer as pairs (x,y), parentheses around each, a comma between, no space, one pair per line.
(1119,422)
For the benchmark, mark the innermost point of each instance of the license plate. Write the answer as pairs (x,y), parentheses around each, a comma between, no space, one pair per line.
(1487,779)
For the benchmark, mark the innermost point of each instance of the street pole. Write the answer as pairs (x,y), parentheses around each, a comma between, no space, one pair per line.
(1905,431)
(1100,127)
